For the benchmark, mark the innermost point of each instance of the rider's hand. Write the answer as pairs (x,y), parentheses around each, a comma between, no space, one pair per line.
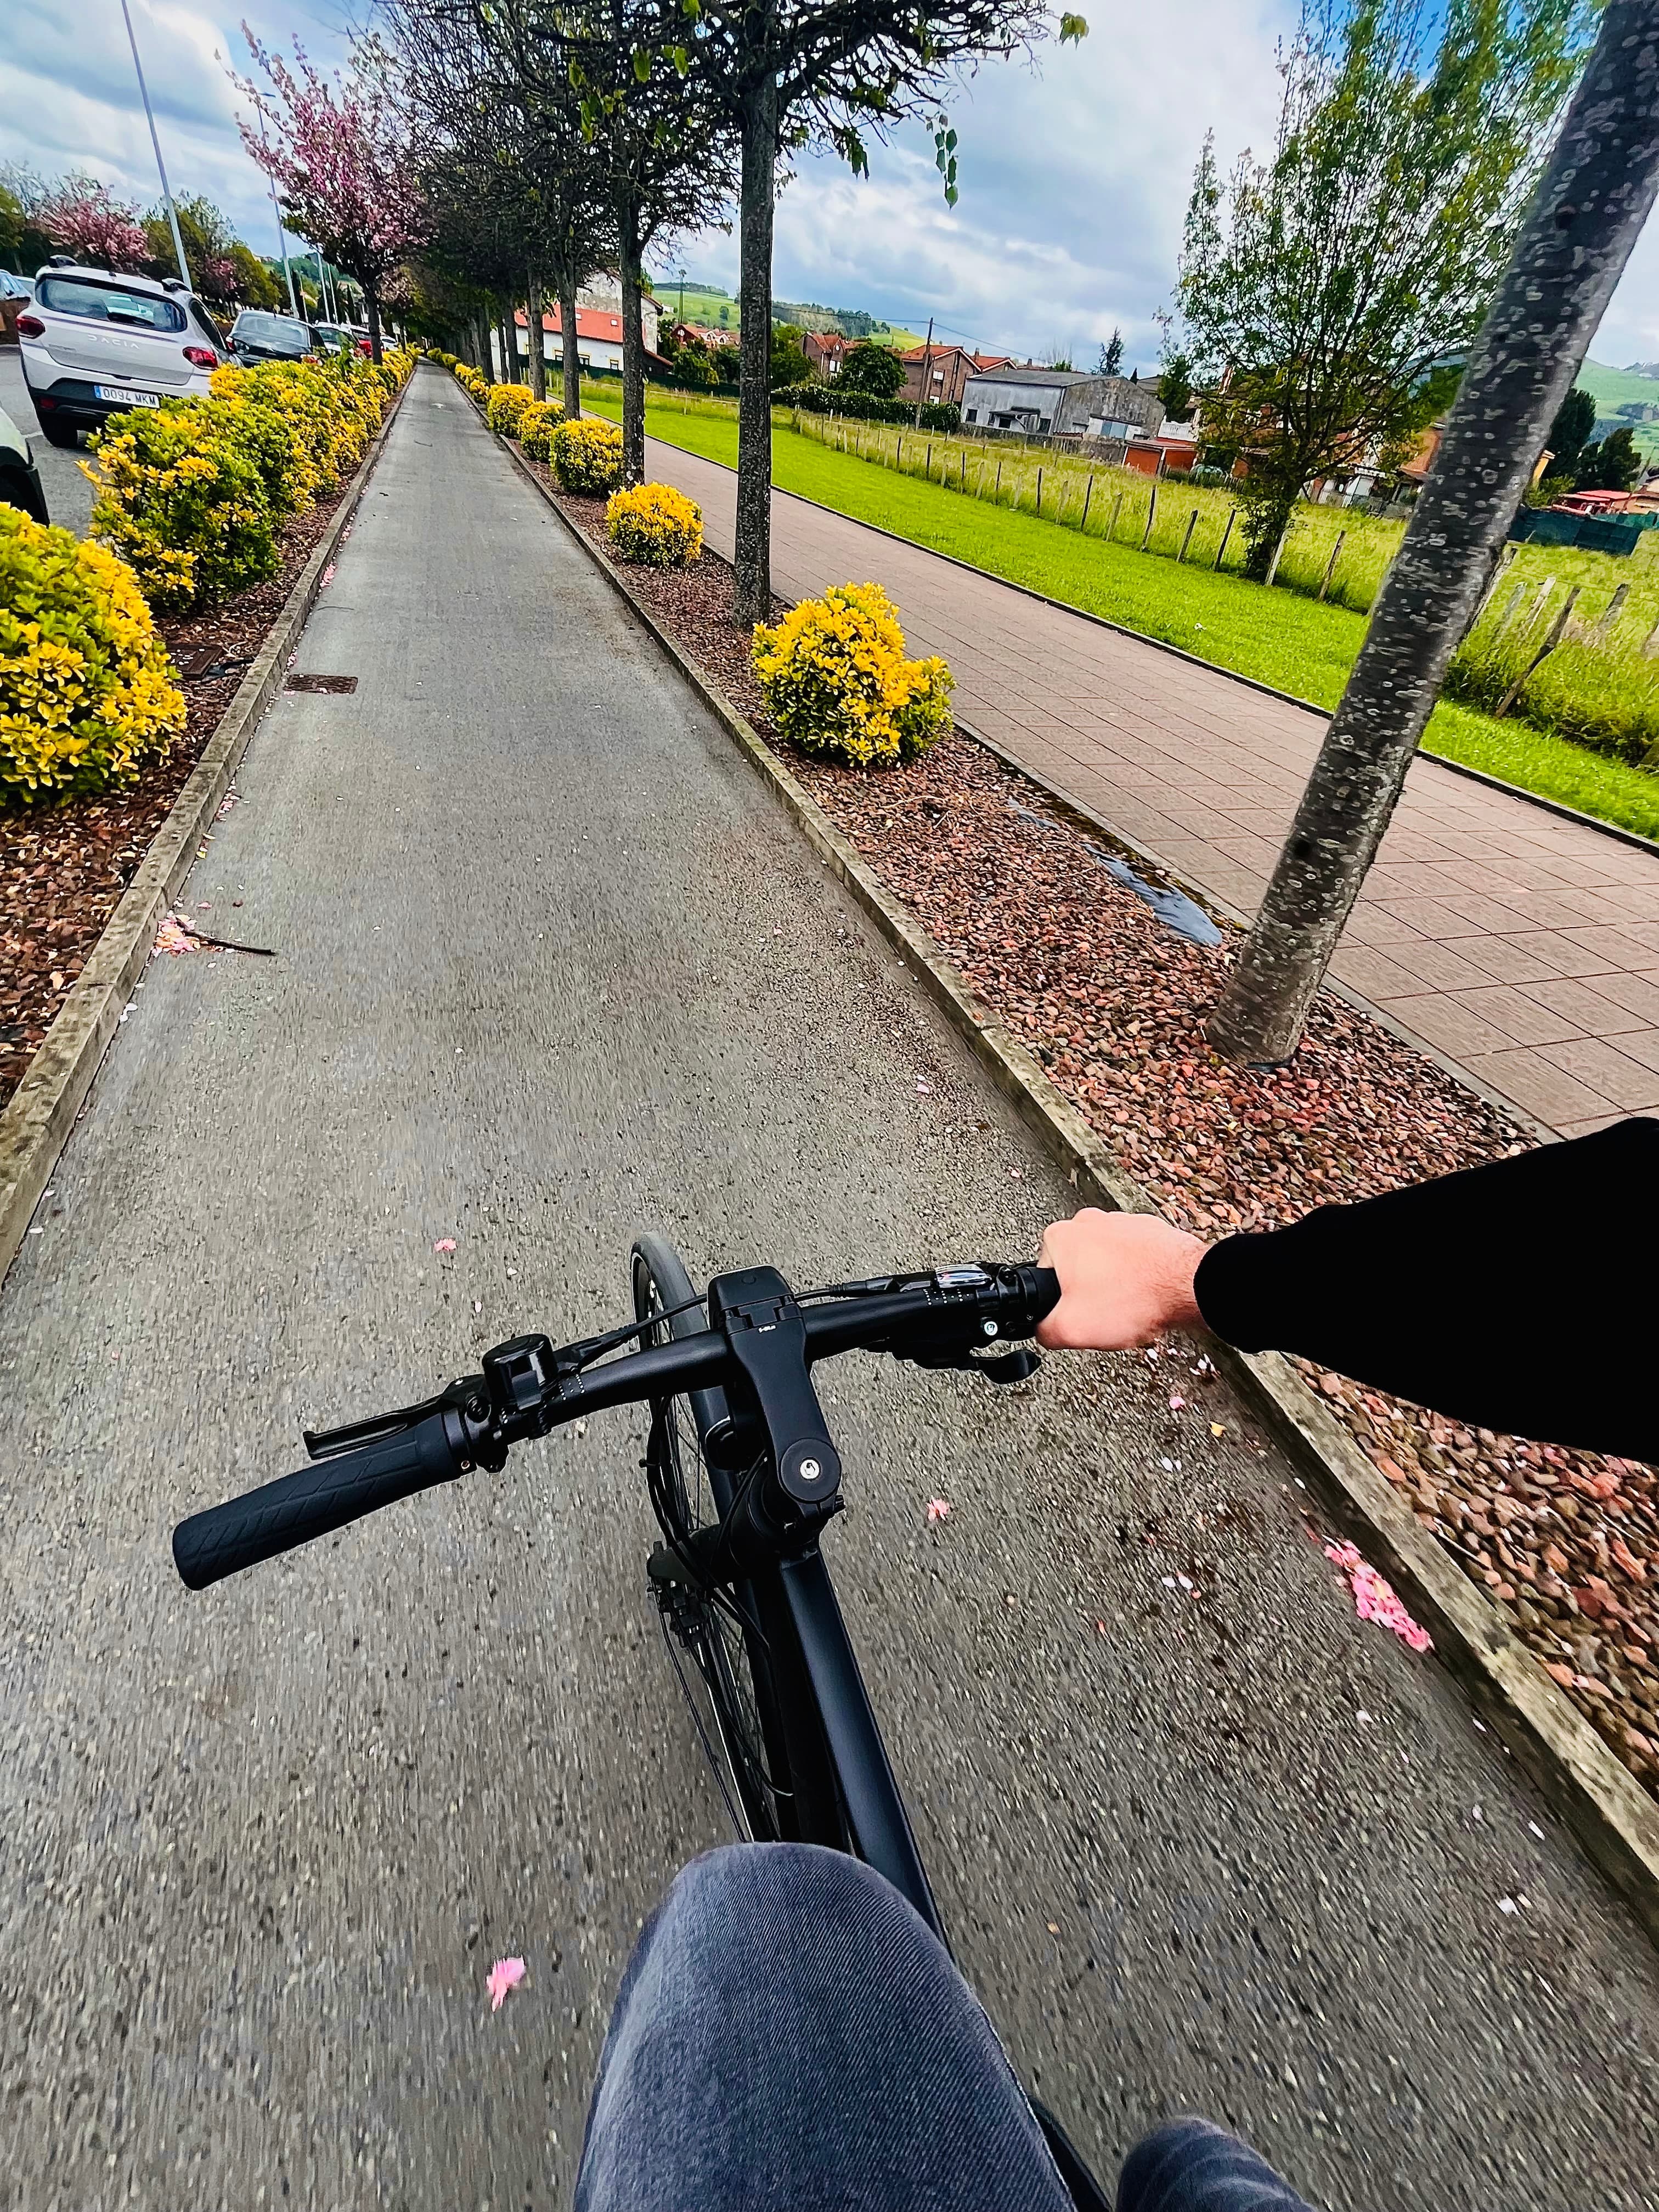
(1124,1278)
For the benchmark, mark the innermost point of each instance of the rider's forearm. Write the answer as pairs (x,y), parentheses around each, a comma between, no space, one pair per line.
(1508,1295)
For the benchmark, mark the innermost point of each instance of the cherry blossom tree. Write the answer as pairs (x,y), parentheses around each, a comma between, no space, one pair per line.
(339,155)
(82,219)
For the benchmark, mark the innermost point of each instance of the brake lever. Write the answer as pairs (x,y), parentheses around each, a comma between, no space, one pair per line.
(464,1394)
(1018,1362)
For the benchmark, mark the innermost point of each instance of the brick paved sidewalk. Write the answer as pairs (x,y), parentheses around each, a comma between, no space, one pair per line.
(1523,947)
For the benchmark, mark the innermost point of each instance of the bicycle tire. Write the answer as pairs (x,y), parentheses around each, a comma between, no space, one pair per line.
(731,1659)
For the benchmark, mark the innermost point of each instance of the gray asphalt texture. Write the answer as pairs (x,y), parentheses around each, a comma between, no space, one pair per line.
(69,495)
(552,965)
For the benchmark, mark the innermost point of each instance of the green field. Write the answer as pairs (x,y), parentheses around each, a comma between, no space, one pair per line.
(1612,388)
(1282,637)
(704,304)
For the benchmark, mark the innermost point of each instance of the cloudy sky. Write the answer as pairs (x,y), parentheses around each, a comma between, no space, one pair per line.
(1075,174)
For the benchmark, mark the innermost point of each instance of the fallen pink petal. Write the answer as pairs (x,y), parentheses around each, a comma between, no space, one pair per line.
(939,1508)
(173,936)
(505,1974)
(444,1244)
(1374,1598)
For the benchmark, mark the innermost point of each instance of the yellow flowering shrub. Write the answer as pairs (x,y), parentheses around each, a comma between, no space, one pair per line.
(86,687)
(588,455)
(507,403)
(535,427)
(180,494)
(655,524)
(835,675)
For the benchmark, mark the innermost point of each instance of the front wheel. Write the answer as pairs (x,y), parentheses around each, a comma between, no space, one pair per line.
(731,1692)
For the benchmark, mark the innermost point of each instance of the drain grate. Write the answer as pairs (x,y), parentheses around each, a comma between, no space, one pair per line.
(309,680)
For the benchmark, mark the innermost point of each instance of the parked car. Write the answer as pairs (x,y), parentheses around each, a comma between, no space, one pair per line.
(258,335)
(97,343)
(340,337)
(20,480)
(16,292)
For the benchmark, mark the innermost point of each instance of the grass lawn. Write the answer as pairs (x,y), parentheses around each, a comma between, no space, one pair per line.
(1278,637)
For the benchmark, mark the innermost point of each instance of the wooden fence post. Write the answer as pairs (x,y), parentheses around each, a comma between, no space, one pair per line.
(1088,494)
(1226,532)
(1039,489)
(1151,510)
(1511,606)
(1325,580)
(1551,641)
(1186,537)
(1611,613)
(996,489)
(1279,549)
(927,466)
(1111,527)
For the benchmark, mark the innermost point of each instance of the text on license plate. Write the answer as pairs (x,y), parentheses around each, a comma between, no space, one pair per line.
(125,395)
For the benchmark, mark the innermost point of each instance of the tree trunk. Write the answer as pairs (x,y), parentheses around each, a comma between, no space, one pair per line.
(509,343)
(571,359)
(752,598)
(633,341)
(372,301)
(537,342)
(1585,218)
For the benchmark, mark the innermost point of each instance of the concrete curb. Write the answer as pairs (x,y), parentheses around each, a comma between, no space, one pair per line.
(42,1110)
(1613,1818)
(1234,675)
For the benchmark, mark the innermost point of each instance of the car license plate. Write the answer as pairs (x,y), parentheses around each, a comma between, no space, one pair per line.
(124,396)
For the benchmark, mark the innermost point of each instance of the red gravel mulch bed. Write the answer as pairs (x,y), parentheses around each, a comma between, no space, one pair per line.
(1111,1002)
(64,869)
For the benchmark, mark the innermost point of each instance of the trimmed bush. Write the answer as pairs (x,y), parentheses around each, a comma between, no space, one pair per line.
(835,675)
(655,525)
(535,427)
(507,403)
(181,495)
(191,492)
(588,455)
(86,688)
(863,407)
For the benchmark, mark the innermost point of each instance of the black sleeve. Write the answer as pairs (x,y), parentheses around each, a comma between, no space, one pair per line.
(1512,1297)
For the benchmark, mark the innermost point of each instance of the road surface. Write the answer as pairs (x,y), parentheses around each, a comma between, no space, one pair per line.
(550,964)
(69,495)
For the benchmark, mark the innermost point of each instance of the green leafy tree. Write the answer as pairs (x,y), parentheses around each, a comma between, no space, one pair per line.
(1575,419)
(1577,233)
(24,244)
(789,362)
(875,369)
(1614,466)
(1327,295)
(1111,356)
(787,74)
(1175,387)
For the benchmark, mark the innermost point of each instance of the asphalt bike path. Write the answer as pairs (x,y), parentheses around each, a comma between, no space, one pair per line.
(552,965)
(1523,947)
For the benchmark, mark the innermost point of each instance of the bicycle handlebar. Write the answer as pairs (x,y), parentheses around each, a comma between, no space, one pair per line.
(934,1319)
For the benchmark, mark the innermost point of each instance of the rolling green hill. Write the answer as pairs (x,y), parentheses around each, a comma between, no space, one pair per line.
(1614,388)
(713,307)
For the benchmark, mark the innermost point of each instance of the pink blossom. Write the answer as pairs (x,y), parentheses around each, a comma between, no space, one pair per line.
(81,218)
(939,1508)
(1375,1599)
(444,1244)
(342,160)
(505,1974)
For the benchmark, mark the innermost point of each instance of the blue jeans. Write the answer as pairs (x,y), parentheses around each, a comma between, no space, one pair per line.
(791,2036)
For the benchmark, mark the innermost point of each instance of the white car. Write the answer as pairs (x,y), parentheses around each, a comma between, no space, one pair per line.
(95,344)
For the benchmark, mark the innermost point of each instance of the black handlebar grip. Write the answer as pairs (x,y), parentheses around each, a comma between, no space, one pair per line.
(1045,1294)
(313,1503)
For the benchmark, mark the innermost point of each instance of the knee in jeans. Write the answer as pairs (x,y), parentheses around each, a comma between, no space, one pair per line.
(758,1886)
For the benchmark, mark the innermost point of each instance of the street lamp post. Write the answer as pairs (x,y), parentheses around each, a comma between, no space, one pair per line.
(161,165)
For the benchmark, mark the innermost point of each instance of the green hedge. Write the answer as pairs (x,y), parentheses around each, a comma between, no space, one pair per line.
(861,407)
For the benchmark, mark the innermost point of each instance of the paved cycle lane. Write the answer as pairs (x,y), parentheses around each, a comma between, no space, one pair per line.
(551,966)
